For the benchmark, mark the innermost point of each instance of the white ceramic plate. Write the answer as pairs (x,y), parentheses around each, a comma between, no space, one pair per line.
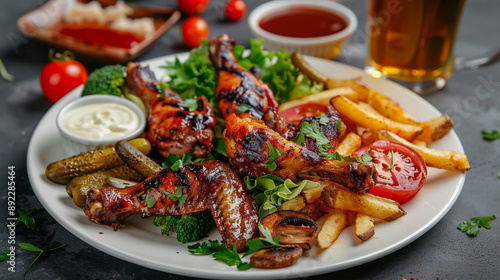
(140,241)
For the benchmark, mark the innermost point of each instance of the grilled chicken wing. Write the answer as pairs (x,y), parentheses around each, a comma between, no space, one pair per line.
(246,138)
(172,128)
(235,85)
(208,185)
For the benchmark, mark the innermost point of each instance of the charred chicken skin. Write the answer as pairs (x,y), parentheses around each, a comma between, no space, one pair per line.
(172,128)
(333,129)
(247,141)
(208,185)
(235,85)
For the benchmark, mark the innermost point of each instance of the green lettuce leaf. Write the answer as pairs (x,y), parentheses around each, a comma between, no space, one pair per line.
(271,191)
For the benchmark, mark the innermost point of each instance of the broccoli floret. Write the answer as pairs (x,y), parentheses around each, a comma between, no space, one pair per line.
(189,227)
(167,223)
(106,80)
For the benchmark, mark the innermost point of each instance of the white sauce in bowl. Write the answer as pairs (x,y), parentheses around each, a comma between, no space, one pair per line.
(101,121)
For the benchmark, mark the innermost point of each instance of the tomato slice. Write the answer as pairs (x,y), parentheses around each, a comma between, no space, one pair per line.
(406,177)
(297,113)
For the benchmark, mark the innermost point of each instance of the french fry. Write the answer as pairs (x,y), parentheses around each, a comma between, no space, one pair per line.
(349,145)
(294,204)
(312,194)
(364,226)
(368,204)
(389,109)
(441,159)
(435,129)
(364,118)
(322,98)
(336,221)
(358,86)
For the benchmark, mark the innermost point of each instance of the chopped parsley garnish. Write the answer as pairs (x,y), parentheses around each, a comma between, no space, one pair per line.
(313,131)
(256,244)
(472,228)
(243,108)
(273,154)
(192,104)
(323,120)
(220,253)
(299,139)
(177,195)
(364,158)
(490,135)
(150,200)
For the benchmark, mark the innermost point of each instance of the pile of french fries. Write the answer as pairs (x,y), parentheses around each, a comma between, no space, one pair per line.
(376,117)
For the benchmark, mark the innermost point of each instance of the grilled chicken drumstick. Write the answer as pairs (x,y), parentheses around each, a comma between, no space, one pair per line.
(172,128)
(247,141)
(208,185)
(235,85)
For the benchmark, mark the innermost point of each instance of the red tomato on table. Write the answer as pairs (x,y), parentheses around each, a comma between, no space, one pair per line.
(60,76)
(235,9)
(193,7)
(194,30)
(400,181)
(297,113)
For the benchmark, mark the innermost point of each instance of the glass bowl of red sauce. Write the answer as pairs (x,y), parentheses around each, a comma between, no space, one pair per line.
(318,28)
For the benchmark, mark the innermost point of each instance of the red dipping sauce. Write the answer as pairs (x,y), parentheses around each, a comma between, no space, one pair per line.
(303,22)
(101,35)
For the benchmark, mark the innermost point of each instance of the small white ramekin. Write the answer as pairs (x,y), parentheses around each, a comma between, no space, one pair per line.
(325,47)
(74,145)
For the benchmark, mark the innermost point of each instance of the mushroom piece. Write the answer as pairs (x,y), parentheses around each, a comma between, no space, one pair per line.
(276,257)
(293,228)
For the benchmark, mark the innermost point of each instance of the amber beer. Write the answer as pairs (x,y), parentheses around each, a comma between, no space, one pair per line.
(412,40)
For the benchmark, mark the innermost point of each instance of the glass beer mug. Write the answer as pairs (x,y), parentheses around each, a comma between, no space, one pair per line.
(411,42)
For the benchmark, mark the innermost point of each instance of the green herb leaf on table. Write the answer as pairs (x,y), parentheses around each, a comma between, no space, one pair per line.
(490,135)
(177,196)
(4,256)
(273,155)
(26,219)
(472,228)
(33,248)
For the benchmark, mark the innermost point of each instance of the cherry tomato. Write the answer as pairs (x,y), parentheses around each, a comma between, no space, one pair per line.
(235,9)
(60,76)
(194,30)
(406,177)
(193,7)
(297,113)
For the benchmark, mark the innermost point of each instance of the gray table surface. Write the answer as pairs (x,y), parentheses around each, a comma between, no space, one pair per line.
(471,99)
